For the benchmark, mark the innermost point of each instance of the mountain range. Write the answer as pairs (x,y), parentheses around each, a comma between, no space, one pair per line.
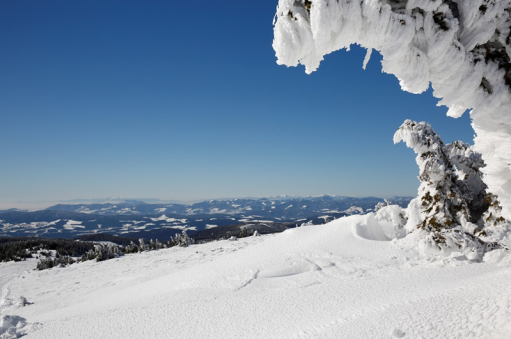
(135,218)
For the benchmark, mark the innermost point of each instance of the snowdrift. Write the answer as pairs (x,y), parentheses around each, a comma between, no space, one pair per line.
(355,277)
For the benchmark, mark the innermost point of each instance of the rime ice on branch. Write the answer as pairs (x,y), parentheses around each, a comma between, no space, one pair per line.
(461,47)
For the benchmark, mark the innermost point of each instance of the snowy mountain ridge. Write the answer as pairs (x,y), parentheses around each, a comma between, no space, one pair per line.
(160,221)
(231,206)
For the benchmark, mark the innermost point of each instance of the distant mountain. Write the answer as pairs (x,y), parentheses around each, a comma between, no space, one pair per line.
(133,218)
(295,207)
(9,210)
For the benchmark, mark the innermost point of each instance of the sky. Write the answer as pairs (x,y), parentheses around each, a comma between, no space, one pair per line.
(184,101)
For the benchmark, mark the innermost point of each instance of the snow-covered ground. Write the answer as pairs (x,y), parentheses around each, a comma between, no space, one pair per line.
(331,281)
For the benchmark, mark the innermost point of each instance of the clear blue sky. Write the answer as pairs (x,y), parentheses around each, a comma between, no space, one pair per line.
(184,100)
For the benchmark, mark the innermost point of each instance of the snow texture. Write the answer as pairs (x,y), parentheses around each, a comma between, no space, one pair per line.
(461,47)
(352,278)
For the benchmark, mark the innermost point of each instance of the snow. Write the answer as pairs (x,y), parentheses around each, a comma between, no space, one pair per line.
(460,47)
(163,217)
(353,210)
(72,224)
(324,217)
(217,211)
(350,276)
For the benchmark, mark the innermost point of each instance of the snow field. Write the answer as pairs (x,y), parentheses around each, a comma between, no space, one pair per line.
(339,280)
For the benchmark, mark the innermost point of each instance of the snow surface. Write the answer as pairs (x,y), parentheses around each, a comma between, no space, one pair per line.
(72,224)
(460,47)
(344,279)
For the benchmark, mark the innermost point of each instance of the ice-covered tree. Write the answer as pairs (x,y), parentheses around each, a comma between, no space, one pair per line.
(382,204)
(243,232)
(460,47)
(142,245)
(102,252)
(453,204)
(182,240)
(131,248)
(442,202)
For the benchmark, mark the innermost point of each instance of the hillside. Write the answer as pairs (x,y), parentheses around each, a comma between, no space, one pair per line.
(338,280)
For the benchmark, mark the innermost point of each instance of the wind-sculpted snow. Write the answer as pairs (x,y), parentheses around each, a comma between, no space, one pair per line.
(461,47)
(327,281)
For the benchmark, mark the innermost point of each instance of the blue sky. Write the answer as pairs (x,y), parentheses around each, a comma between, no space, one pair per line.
(184,100)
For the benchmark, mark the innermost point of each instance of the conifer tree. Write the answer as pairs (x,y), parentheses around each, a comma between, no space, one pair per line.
(456,166)
(454,204)
(141,245)
(184,240)
(441,199)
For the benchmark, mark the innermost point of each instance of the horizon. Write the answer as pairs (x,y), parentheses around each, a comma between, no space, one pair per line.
(118,98)
(39,205)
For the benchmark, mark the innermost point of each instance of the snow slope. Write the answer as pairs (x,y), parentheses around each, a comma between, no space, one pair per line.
(344,279)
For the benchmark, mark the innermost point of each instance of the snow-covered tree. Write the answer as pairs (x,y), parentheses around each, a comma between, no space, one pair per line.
(382,204)
(142,245)
(182,240)
(106,251)
(442,202)
(467,167)
(103,252)
(461,47)
(453,204)
(243,232)
(131,248)
(157,245)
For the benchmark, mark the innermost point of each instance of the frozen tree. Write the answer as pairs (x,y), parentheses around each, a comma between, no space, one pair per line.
(382,204)
(442,202)
(460,47)
(158,245)
(102,252)
(131,248)
(106,251)
(182,240)
(453,205)
(243,232)
(467,166)
(141,245)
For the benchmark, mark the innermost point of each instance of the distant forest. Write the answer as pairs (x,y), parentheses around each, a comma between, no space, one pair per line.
(63,252)
(22,248)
